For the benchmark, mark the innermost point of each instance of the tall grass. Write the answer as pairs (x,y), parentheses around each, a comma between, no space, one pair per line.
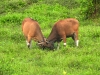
(17,59)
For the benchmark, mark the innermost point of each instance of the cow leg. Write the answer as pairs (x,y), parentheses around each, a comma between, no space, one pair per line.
(64,40)
(28,44)
(75,38)
(28,41)
(58,44)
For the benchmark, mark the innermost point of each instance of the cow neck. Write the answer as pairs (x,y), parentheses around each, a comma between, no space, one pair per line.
(40,38)
(52,37)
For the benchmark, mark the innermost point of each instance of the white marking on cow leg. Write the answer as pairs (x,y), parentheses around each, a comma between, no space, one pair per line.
(28,44)
(64,44)
(77,42)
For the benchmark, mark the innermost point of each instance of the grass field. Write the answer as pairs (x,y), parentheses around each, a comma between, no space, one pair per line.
(17,59)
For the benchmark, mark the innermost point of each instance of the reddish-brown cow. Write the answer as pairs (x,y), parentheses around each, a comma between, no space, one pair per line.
(31,30)
(61,30)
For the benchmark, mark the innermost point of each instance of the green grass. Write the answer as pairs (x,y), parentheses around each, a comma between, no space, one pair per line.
(17,59)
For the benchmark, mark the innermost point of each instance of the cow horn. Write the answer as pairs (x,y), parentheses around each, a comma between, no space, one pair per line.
(40,43)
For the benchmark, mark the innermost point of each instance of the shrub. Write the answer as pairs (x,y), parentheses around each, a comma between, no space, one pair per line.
(11,18)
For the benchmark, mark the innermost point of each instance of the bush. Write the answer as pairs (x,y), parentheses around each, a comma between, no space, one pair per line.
(11,18)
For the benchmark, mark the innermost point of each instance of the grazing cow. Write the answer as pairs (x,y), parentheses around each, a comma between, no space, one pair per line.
(62,30)
(31,30)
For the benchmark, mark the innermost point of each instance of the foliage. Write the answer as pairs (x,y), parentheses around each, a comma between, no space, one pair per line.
(17,59)
(89,8)
(68,3)
(15,5)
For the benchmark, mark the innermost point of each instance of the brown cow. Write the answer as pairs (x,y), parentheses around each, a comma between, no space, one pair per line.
(31,30)
(62,30)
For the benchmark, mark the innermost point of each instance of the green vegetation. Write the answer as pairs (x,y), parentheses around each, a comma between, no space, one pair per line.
(17,59)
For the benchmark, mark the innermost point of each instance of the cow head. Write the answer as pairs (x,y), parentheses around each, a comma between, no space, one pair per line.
(49,44)
(42,44)
(46,44)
